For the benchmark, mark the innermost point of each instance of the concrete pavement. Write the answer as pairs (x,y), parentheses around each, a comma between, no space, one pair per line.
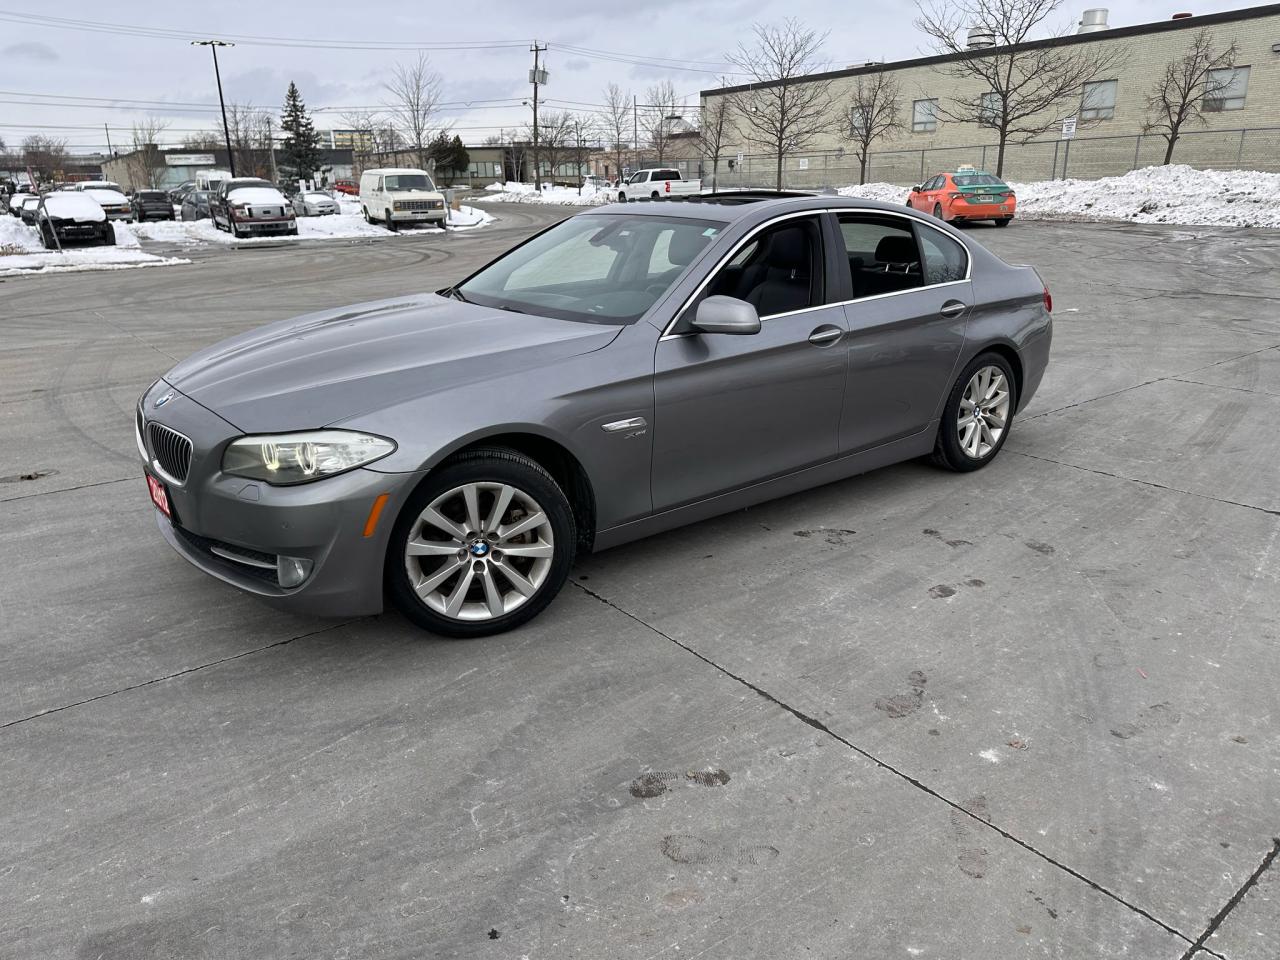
(1028,712)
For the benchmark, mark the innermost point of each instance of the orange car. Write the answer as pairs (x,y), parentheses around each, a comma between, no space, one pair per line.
(965,194)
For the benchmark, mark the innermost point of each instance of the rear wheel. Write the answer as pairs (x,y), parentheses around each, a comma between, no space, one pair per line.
(622,197)
(937,211)
(1003,221)
(654,195)
(482,546)
(978,415)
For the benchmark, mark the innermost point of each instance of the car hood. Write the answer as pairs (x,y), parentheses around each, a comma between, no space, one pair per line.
(315,370)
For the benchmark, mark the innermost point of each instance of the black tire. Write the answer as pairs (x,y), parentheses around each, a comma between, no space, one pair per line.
(654,195)
(47,238)
(622,197)
(1003,221)
(491,464)
(390,224)
(365,210)
(947,451)
(108,235)
(937,212)
(293,232)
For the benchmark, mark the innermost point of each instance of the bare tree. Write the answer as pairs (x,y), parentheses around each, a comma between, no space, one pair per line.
(146,164)
(414,92)
(874,113)
(661,110)
(556,132)
(250,129)
(1022,91)
(44,156)
(714,128)
(208,140)
(1187,88)
(779,109)
(616,119)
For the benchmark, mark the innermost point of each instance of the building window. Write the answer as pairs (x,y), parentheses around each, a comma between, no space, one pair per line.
(1226,89)
(989,109)
(1099,100)
(857,122)
(924,116)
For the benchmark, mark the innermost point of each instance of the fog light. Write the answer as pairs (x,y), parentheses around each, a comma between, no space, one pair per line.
(291,571)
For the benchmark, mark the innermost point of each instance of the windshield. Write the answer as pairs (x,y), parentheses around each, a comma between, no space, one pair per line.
(409,182)
(598,268)
(977,180)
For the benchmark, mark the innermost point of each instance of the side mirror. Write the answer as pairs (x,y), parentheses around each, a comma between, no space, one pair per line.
(726,315)
(917,188)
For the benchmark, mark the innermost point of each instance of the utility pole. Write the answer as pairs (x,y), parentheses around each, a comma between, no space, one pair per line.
(536,77)
(635,134)
(110,152)
(226,130)
(271,150)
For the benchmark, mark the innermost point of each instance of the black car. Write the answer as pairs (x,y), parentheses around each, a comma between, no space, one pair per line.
(151,205)
(195,205)
(179,193)
(73,217)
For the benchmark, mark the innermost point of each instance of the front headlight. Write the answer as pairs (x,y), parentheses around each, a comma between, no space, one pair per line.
(288,458)
(397,205)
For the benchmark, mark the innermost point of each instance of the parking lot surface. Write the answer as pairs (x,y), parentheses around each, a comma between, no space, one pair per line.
(1027,712)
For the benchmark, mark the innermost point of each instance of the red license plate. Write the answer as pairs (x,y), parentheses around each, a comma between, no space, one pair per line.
(159,496)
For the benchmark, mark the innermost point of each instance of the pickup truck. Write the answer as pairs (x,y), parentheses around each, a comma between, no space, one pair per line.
(657,182)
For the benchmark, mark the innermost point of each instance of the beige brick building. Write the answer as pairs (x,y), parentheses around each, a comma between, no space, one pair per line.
(1243,133)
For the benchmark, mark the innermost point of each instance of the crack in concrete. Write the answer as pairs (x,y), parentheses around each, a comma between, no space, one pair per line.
(83,486)
(885,765)
(1147,483)
(1231,904)
(1147,383)
(179,673)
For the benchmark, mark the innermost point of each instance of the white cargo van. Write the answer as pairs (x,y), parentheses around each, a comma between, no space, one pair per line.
(211,180)
(395,195)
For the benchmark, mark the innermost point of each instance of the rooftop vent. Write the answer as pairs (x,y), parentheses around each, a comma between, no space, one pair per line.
(1181,16)
(980,38)
(1093,20)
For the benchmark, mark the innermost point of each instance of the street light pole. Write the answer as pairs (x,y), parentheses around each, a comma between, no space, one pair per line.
(226,130)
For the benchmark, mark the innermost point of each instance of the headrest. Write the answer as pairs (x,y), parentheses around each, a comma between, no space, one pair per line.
(789,249)
(896,248)
(685,245)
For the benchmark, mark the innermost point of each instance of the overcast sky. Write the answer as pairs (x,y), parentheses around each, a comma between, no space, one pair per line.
(144,54)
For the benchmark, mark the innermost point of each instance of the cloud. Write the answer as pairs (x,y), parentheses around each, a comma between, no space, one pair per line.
(30,51)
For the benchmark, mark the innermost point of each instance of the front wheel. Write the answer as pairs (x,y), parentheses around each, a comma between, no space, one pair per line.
(108,235)
(391,224)
(484,545)
(978,415)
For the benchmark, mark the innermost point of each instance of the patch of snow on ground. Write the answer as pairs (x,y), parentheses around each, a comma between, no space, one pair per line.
(1175,194)
(990,756)
(512,192)
(347,225)
(33,258)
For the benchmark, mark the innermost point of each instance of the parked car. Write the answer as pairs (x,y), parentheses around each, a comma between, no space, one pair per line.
(247,206)
(396,195)
(312,203)
(152,205)
(349,187)
(73,217)
(179,193)
(195,205)
(655,183)
(97,185)
(27,210)
(114,203)
(626,371)
(965,194)
(16,201)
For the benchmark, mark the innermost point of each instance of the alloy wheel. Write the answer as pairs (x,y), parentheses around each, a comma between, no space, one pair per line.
(479,551)
(984,412)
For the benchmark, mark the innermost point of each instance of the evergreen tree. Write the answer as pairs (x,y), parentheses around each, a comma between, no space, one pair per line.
(459,159)
(301,159)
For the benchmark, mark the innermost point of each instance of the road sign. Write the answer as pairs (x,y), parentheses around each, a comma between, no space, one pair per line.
(739,158)
(1069,128)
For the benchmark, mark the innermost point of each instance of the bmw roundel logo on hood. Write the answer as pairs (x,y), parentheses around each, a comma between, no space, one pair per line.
(161,401)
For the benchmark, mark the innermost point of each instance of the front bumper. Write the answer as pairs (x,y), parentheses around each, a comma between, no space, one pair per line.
(265,225)
(419,216)
(234,529)
(119,214)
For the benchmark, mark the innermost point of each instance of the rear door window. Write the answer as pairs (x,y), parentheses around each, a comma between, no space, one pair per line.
(881,253)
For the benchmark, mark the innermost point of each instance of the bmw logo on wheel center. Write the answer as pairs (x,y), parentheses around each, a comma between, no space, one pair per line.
(479,548)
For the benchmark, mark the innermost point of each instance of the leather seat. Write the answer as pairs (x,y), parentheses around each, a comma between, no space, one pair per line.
(897,267)
(787,267)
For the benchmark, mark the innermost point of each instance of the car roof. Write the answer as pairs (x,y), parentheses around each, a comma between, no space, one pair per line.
(383,171)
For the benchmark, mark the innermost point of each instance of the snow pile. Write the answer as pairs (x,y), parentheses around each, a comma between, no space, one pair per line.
(349,226)
(32,258)
(1174,194)
(513,192)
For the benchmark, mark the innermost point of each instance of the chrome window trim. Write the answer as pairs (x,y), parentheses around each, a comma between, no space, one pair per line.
(906,217)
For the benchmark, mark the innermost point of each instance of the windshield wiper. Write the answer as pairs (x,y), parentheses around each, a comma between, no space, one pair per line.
(455,293)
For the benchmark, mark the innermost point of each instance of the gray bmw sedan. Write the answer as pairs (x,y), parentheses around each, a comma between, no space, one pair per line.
(628,370)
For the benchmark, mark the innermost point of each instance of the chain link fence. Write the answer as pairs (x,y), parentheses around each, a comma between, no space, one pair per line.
(1255,148)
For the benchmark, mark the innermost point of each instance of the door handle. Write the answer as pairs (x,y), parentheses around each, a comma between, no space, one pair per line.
(952,309)
(825,335)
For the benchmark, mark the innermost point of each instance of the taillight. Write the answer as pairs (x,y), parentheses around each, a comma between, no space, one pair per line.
(1048,301)
(955,196)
